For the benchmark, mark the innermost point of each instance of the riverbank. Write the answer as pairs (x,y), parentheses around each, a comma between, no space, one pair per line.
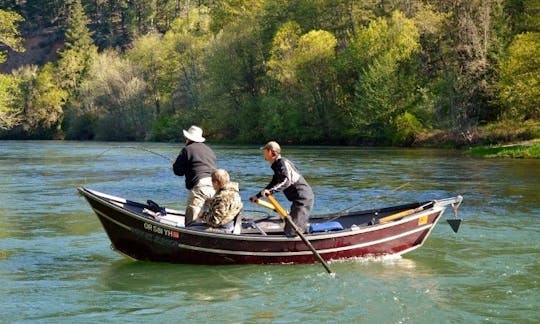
(523,150)
(498,140)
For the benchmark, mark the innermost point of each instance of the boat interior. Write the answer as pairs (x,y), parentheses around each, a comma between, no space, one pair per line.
(262,223)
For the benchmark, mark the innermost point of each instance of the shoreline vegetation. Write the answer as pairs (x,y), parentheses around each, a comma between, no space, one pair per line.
(497,140)
(522,150)
(400,74)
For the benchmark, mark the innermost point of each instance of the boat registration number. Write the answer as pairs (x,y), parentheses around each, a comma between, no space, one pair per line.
(161,230)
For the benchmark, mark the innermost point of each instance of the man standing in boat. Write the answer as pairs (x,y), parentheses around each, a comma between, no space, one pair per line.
(196,162)
(286,178)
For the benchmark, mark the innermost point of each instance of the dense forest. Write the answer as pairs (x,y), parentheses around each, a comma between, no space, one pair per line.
(397,72)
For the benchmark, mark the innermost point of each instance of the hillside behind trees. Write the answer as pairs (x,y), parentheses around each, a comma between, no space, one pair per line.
(305,72)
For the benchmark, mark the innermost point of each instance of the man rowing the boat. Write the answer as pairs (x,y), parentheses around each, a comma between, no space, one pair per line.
(286,178)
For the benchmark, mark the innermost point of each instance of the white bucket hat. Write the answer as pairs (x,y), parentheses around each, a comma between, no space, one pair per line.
(194,134)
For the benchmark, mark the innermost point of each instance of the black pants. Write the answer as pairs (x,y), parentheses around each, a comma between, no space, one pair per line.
(300,212)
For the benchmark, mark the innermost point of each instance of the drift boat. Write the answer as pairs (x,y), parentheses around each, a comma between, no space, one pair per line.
(149,232)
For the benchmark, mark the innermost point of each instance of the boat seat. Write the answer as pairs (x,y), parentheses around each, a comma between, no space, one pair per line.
(238,223)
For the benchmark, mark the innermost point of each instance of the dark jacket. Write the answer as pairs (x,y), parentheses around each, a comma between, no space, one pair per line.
(286,178)
(195,161)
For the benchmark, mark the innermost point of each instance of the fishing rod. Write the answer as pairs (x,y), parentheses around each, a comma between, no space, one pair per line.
(141,148)
(344,211)
(379,196)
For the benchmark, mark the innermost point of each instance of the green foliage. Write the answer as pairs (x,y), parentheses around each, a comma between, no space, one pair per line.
(406,129)
(279,120)
(80,125)
(9,32)
(528,16)
(148,56)
(10,111)
(396,38)
(509,131)
(519,84)
(166,129)
(382,51)
(508,151)
(468,54)
(79,49)
(304,66)
(315,48)
(171,64)
(314,60)
(234,72)
(40,101)
(336,71)
(227,13)
(116,97)
(185,47)
(49,99)
(281,65)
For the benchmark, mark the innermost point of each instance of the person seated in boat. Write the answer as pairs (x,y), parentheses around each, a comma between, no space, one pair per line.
(219,212)
(286,178)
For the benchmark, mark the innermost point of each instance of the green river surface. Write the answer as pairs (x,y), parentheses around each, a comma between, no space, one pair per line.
(56,265)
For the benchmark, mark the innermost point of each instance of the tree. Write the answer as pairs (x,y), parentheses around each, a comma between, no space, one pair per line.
(467,52)
(304,65)
(148,56)
(9,32)
(10,111)
(234,73)
(176,66)
(186,46)
(519,84)
(79,49)
(113,101)
(40,101)
(281,65)
(76,57)
(11,38)
(382,51)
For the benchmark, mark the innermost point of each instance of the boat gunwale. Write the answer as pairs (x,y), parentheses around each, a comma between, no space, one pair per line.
(105,199)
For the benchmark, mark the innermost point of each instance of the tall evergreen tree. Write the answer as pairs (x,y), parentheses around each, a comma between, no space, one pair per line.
(75,60)
(79,49)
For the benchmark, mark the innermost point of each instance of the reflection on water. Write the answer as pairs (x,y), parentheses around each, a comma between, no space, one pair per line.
(56,264)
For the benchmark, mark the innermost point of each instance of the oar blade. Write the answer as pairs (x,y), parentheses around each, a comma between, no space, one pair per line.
(454,223)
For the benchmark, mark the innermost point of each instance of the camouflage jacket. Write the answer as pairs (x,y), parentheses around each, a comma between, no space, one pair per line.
(224,206)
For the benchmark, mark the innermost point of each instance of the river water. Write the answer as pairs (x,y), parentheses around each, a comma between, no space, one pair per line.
(56,264)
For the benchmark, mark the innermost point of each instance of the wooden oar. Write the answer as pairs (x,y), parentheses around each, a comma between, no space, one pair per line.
(266,204)
(276,206)
(397,215)
(402,214)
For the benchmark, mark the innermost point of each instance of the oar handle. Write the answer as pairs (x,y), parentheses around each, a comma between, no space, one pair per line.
(282,212)
(397,215)
(403,213)
(266,204)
